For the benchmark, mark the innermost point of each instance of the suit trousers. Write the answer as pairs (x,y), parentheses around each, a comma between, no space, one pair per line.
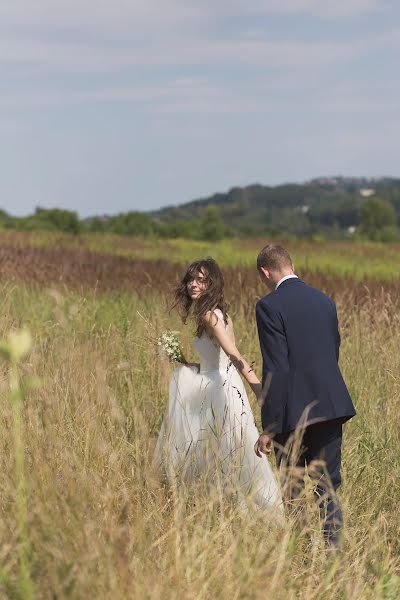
(317,446)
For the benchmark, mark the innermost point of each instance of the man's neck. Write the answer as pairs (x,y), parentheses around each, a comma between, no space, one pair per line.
(283,278)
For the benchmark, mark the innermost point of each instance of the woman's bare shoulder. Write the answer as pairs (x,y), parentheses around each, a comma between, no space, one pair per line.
(210,318)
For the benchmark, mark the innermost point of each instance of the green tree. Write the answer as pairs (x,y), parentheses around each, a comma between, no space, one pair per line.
(5,219)
(97,225)
(132,223)
(212,226)
(377,215)
(53,218)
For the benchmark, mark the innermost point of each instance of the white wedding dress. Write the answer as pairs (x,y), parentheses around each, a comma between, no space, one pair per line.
(209,430)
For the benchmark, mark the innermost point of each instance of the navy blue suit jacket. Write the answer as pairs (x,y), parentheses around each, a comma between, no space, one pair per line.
(299,339)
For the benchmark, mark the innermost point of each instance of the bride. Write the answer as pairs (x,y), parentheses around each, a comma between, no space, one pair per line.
(208,428)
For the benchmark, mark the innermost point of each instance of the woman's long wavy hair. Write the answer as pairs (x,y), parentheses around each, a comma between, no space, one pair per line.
(211,298)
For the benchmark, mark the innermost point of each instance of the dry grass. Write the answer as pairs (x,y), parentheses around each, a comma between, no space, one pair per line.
(83,270)
(355,260)
(100,527)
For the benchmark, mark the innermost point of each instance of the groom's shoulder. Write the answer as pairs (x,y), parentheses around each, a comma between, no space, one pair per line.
(318,295)
(316,291)
(270,300)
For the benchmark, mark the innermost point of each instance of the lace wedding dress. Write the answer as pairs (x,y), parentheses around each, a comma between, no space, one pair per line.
(209,431)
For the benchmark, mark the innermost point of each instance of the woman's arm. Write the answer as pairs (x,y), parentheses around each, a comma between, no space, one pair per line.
(216,329)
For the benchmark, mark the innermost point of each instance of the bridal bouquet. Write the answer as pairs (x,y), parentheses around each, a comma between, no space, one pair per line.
(166,343)
(169,343)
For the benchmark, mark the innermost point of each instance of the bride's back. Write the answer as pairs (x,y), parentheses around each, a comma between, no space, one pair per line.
(211,355)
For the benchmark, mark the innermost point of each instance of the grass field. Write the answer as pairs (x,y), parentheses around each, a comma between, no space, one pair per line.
(345,259)
(87,520)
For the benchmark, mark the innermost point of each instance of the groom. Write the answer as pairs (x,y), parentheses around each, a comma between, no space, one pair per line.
(305,400)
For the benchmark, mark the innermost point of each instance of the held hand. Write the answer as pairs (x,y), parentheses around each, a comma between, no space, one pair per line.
(257,389)
(263,445)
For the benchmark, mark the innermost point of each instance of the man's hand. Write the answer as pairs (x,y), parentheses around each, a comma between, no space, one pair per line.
(263,445)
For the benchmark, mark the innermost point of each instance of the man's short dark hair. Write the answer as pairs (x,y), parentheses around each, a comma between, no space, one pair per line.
(274,258)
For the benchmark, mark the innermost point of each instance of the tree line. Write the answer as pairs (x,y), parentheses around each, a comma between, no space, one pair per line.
(374,218)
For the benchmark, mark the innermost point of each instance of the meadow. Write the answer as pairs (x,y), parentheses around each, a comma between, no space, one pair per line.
(357,260)
(82,516)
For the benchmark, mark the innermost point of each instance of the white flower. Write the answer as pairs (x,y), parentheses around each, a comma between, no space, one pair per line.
(18,345)
(171,346)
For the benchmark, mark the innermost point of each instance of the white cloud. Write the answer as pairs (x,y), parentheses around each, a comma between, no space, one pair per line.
(321,8)
(94,36)
(42,41)
(78,57)
(186,91)
(120,15)
(201,96)
(95,15)
(313,8)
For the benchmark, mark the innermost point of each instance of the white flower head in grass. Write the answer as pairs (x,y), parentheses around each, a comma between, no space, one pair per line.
(17,346)
(169,344)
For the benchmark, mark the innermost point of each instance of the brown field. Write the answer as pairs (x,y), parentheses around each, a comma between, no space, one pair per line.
(81,269)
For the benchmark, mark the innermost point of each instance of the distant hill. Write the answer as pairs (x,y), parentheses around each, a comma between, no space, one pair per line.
(325,207)
(321,204)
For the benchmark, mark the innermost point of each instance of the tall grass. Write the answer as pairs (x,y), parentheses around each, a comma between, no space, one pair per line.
(14,350)
(100,526)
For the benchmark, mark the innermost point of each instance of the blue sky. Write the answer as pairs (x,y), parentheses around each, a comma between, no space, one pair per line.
(116,105)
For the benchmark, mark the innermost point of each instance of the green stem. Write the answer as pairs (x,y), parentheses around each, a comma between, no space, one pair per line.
(21,492)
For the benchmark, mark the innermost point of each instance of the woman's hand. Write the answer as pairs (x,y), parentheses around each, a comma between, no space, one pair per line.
(257,389)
